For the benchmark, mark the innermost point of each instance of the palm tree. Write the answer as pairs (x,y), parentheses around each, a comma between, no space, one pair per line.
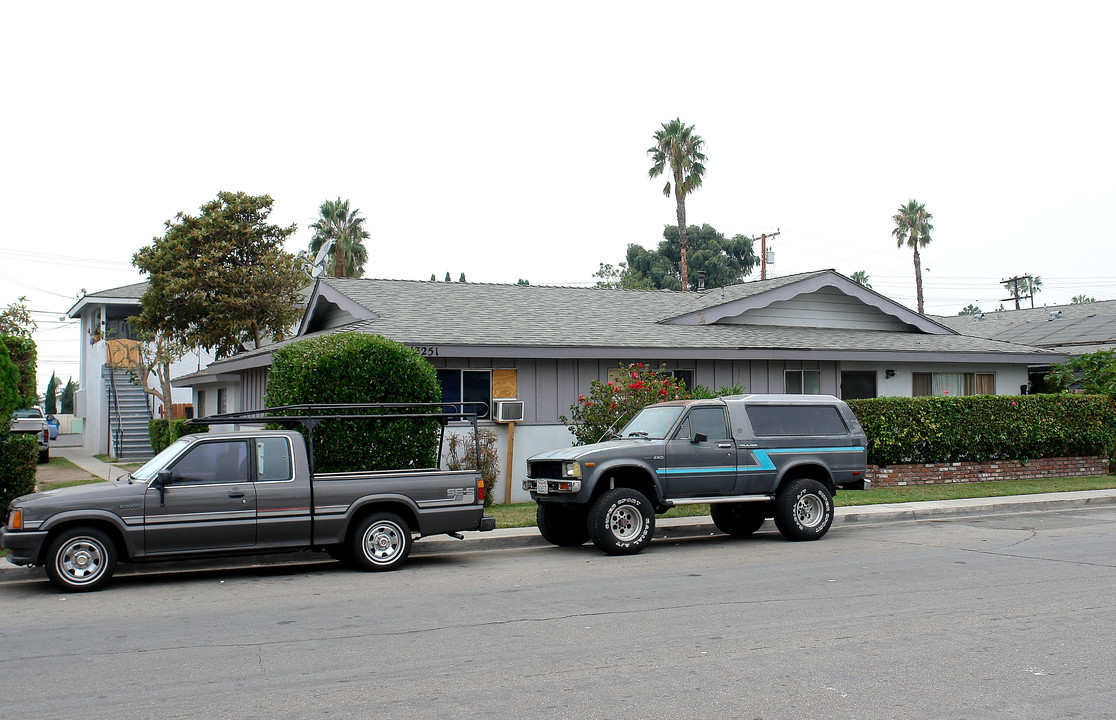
(912,226)
(679,148)
(346,229)
(1034,286)
(860,277)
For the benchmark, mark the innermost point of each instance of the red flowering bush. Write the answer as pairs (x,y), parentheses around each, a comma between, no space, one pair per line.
(610,405)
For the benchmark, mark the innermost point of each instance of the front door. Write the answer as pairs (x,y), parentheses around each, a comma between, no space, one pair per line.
(701,457)
(210,503)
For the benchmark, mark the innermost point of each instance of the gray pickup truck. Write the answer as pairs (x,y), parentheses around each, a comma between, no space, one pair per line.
(750,457)
(244,492)
(33,421)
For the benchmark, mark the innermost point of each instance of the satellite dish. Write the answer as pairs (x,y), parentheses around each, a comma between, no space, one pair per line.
(317,268)
(319,259)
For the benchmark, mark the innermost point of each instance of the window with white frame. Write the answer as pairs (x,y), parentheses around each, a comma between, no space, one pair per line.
(802,382)
(955,384)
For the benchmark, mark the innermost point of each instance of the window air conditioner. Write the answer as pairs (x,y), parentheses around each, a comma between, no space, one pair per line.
(508,410)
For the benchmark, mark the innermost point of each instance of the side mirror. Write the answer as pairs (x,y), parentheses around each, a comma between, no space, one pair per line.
(162,479)
(699,438)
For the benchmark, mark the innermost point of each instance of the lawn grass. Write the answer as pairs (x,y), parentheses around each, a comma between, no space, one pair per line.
(523,514)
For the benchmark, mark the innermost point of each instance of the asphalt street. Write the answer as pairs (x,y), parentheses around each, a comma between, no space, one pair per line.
(993,616)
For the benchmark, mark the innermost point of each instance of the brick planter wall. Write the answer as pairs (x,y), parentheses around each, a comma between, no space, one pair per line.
(941,473)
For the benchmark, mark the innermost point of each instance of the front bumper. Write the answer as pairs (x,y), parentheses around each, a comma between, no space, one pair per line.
(553,487)
(23,545)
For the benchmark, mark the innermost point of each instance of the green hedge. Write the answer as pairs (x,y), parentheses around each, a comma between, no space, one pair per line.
(18,453)
(985,427)
(359,368)
(162,433)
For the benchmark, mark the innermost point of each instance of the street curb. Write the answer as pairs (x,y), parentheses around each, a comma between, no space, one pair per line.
(667,529)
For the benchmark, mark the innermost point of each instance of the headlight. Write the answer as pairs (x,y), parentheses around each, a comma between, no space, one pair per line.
(571,469)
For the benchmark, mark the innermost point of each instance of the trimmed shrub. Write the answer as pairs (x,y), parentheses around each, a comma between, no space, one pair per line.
(18,453)
(985,427)
(159,434)
(358,368)
(178,428)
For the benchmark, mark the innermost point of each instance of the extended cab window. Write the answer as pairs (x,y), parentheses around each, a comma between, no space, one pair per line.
(213,462)
(273,459)
(796,420)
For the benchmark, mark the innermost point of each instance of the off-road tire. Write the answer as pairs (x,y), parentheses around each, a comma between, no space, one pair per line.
(803,509)
(621,522)
(739,519)
(80,559)
(380,542)
(562,525)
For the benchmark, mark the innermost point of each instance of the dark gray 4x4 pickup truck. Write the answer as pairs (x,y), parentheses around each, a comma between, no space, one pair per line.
(244,492)
(750,457)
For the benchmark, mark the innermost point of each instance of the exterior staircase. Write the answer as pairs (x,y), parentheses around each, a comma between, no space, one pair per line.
(128,416)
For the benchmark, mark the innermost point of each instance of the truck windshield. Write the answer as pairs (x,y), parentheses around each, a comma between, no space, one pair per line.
(652,422)
(158,462)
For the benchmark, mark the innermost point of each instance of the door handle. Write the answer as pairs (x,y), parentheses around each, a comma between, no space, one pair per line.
(236,494)
(724,445)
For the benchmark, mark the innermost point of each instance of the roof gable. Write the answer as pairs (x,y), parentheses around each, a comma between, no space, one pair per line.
(824,299)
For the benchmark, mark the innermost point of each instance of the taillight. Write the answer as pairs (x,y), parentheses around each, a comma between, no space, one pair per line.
(46,434)
(480,491)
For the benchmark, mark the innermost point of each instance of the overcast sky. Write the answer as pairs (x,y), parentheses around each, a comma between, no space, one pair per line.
(508,140)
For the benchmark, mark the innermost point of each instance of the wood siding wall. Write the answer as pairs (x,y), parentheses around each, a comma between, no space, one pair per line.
(828,308)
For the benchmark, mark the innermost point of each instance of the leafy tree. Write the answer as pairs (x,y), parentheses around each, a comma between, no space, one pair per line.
(913,228)
(725,261)
(157,352)
(1092,373)
(970,309)
(521,281)
(462,278)
(678,149)
(346,228)
(16,319)
(621,278)
(66,401)
(23,354)
(10,399)
(50,399)
(860,277)
(1081,299)
(221,279)
(448,276)
(432,278)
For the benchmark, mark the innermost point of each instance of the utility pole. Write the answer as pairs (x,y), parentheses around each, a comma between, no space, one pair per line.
(1015,288)
(763,251)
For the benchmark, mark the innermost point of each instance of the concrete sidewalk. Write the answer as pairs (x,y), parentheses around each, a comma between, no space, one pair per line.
(84,459)
(666,529)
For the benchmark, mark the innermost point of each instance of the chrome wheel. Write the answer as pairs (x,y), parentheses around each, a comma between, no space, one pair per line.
(380,542)
(383,542)
(809,511)
(80,559)
(626,522)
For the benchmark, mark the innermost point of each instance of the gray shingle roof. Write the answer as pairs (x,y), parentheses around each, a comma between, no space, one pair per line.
(1078,328)
(584,321)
